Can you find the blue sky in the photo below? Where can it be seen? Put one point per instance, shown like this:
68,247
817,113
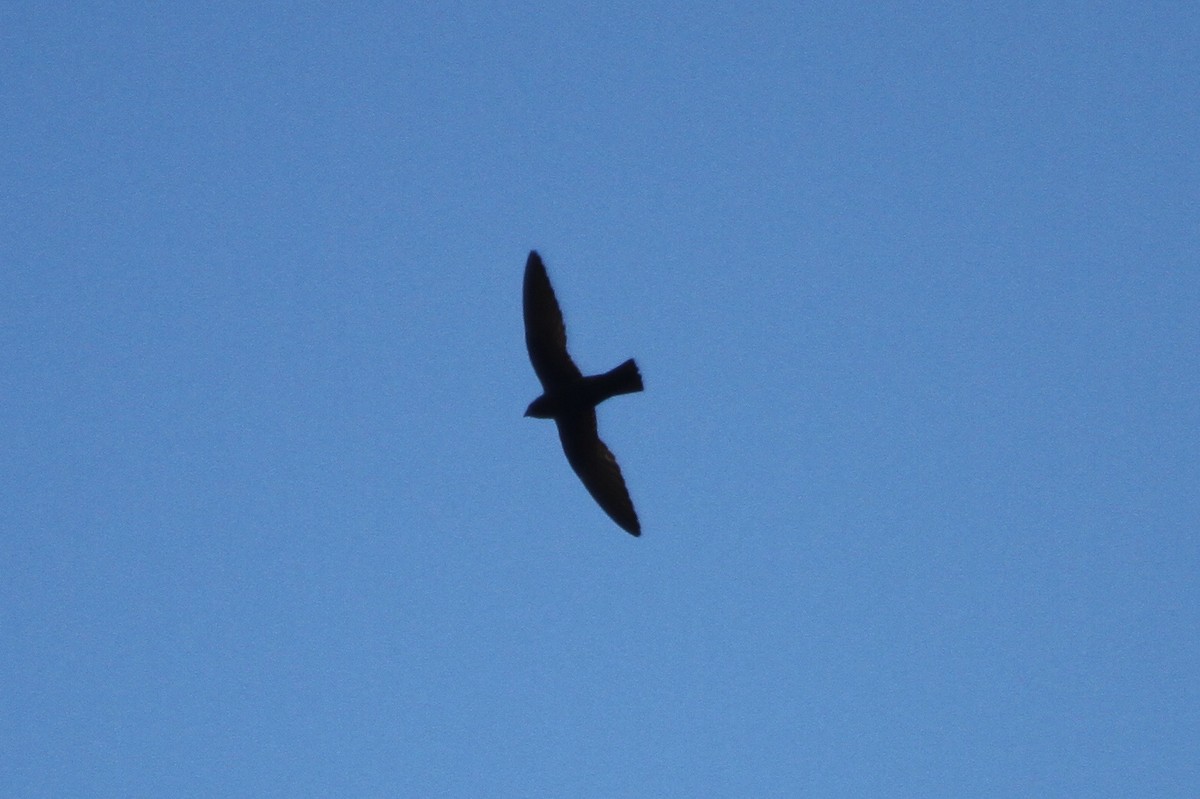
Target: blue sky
914,291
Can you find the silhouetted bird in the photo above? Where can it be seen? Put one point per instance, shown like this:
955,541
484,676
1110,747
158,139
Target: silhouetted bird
570,399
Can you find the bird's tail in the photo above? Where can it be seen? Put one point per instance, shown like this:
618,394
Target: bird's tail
625,379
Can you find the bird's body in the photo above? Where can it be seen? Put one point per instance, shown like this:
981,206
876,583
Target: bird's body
570,398
586,392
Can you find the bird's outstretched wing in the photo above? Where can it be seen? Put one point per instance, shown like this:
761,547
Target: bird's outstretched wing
545,335
597,468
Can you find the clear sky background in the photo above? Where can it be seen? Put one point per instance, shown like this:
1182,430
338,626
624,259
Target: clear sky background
915,290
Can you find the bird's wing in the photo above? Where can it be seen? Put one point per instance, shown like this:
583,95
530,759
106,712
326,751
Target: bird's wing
597,468
545,335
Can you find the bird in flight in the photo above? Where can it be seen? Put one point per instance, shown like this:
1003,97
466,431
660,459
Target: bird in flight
570,398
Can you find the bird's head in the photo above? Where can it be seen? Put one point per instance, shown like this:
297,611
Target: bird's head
539,408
